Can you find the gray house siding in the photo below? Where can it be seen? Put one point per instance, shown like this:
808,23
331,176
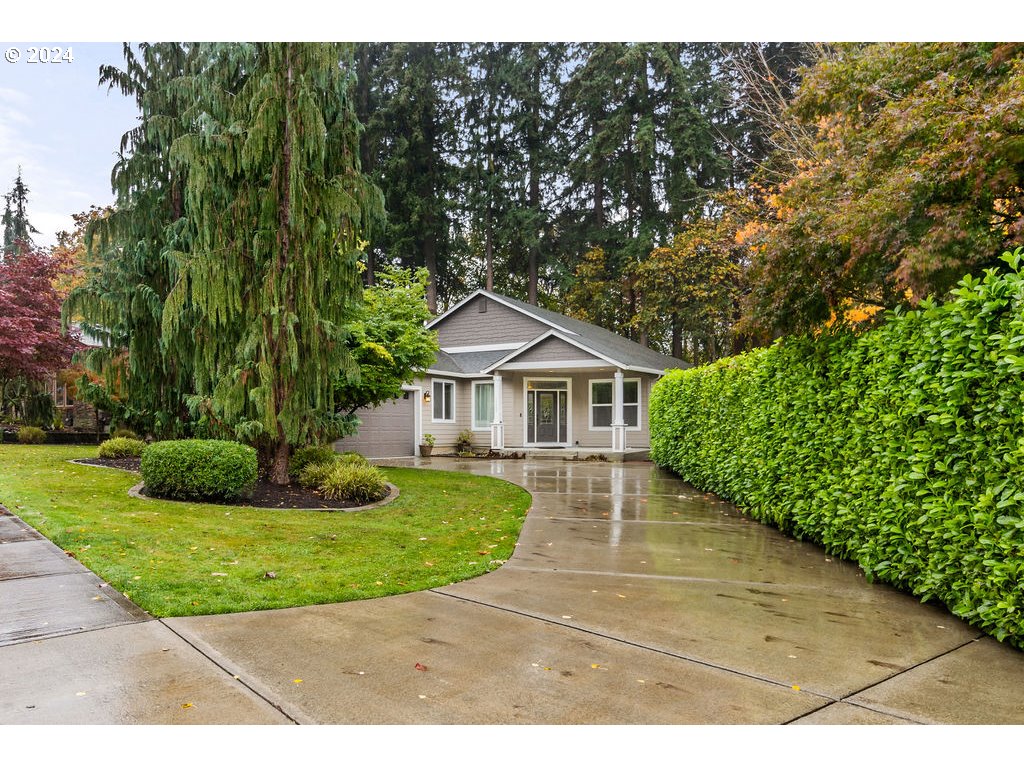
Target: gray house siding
468,326
551,350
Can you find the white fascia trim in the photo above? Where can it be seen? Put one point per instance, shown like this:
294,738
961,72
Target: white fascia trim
503,363
483,347
451,374
500,300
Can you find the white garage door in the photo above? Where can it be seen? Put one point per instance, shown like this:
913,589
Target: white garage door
386,432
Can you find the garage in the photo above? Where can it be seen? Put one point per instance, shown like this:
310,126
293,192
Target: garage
386,431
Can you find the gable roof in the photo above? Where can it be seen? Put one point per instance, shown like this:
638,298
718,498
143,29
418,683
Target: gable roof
617,350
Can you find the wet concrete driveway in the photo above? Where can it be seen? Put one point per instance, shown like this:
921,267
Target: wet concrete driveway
631,598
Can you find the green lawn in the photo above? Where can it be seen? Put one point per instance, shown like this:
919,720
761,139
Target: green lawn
180,559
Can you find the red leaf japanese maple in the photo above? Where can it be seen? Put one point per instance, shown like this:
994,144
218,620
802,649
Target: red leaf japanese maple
31,342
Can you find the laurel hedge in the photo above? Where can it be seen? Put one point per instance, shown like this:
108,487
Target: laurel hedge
900,448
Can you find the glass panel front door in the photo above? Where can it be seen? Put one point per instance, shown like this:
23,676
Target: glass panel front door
547,413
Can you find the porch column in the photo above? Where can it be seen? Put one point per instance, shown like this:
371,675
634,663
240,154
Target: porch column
618,419
498,425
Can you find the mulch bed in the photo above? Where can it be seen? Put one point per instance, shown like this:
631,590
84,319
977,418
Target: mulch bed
264,494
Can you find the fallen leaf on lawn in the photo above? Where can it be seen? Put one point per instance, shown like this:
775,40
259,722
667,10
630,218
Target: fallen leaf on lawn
422,696
796,687
187,705
297,680
420,667
429,565
218,573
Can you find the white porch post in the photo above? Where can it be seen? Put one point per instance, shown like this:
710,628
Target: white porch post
618,419
498,425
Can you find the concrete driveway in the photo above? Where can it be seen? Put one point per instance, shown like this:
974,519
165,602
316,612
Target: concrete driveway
631,598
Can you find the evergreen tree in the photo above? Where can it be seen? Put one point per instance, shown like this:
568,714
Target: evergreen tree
130,268
279,206
414,133
17,229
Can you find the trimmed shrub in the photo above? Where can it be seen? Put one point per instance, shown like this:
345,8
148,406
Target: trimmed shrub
901,448
310,454
312,475
199,469
31,436
352,482
124,432
121,447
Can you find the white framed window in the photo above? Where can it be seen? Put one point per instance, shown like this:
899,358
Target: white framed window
483,405
601,403
442,400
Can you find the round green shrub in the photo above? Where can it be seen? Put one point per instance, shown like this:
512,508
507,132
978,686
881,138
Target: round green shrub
124,432
355,483
199,469
310,454
121,447
31,436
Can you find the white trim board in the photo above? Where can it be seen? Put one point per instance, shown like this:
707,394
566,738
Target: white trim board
483,347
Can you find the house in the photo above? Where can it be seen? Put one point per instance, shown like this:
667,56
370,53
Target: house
519,377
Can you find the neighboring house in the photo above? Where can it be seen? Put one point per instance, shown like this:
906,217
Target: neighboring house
520,377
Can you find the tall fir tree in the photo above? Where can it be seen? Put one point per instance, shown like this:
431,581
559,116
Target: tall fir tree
130,272
414,134
18,230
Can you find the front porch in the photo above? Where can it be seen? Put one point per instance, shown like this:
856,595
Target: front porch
576,453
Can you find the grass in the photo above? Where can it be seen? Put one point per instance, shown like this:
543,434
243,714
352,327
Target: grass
183,559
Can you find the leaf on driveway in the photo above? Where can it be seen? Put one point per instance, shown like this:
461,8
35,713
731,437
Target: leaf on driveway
420,667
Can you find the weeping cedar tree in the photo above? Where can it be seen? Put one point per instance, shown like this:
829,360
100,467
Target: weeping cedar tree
278,202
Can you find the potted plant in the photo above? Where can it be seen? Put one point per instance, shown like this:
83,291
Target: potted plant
427,445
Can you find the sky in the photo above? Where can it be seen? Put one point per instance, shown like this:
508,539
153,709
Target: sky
62,130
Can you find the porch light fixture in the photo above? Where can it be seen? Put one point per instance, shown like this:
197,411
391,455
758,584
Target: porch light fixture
426,397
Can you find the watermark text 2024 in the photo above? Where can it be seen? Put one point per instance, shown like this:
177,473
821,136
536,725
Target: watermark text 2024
39,55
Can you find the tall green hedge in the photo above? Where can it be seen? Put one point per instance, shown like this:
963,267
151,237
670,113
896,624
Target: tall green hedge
900,448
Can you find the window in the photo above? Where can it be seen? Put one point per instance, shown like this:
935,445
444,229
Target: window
442,398
483,404
601,406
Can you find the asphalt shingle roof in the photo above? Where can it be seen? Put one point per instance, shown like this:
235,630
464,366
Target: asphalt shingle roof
609,344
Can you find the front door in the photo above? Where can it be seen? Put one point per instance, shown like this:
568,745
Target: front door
547,412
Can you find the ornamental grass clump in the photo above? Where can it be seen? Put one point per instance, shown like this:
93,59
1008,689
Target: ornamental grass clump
312,475
310,454
31,436
355,483
199,469
121,448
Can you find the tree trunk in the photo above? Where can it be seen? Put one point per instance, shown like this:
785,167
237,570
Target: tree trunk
533,142
276,343
677,337
430,262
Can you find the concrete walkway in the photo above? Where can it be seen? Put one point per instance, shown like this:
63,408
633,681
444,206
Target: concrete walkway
631,598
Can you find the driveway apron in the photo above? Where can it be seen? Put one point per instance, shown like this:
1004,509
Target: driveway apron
631,598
